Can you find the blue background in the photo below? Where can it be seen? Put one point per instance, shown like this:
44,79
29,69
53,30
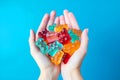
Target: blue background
102,17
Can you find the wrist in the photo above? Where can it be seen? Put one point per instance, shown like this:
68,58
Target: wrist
73,74
48,74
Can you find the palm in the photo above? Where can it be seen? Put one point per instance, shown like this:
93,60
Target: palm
76,59
42,60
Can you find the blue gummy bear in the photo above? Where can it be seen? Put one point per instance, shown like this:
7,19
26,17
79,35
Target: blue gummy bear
51,27
42,45
54,48
73,36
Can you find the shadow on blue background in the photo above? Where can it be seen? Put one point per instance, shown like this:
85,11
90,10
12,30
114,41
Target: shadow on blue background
102,61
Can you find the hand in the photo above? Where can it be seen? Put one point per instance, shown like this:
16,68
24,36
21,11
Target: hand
71,70
48,70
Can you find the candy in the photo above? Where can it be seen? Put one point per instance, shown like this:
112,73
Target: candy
59,28
64,37
66,58
77,32
59,42
57,58
42,34
51,37
70,48
73,36
42,45
52,27
54,48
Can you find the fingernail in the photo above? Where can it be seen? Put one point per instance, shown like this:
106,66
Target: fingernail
30,31
65,10
87,30
53,11
46,15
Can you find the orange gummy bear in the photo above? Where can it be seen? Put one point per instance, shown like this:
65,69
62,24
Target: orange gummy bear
70,48
57,58
59,28
77,32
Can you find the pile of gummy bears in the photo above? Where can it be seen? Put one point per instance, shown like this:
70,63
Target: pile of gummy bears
59,42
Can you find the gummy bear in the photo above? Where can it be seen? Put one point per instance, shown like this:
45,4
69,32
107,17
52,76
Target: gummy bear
64,37
57,58
54,48
59,28
73,36
42,45
42,34
77,32
70,48
52,27
51,37
66,58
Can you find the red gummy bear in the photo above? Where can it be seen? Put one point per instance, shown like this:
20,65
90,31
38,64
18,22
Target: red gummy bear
66,57
64,37
42,34
51,37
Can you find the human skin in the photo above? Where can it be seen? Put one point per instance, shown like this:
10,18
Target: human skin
48,70
71,70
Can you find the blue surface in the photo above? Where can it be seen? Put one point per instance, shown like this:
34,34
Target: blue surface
102,17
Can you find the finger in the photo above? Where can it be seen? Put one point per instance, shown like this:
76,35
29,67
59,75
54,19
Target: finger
57,21
67,20
43,24
32,40
52,16
73,21
84,41
62,19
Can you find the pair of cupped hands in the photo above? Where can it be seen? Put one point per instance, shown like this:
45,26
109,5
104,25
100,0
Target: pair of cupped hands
49,71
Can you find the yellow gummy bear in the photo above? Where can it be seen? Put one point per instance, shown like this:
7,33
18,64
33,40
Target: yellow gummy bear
59,28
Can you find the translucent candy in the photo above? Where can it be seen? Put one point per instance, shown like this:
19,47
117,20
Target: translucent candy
59,28
54,48
51,37
59,42
66,58
42,45
52,27
77,32
42,34
73,36
70,48
57,58
64,37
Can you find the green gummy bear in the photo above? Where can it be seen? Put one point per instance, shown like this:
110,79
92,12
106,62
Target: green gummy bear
42,45
73,36
54,48
51,27
59,45
53,52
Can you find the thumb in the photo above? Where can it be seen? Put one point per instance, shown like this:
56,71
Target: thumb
32,40
35,52
84,41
